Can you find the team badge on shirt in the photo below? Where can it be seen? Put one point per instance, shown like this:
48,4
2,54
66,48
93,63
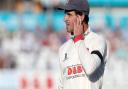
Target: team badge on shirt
65,57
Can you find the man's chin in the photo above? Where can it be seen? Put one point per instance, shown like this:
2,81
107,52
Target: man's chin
69,30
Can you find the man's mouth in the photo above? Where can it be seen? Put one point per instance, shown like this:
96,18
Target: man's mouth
67,24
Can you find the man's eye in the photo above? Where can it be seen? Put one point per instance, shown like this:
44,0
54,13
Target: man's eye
68,14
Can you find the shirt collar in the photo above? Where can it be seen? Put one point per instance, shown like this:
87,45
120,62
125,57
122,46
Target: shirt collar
87,31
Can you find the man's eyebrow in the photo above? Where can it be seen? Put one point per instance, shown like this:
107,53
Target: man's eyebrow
68,13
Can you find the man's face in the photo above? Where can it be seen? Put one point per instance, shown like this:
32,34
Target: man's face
69,19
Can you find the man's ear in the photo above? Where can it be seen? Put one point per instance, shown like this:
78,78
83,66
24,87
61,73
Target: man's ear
82,17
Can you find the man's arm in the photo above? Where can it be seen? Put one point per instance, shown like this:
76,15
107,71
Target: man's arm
60,84
90,60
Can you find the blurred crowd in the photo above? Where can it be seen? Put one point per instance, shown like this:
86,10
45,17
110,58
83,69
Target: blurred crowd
23,48
27,49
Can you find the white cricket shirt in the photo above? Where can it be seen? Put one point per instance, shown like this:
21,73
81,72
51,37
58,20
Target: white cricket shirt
82,61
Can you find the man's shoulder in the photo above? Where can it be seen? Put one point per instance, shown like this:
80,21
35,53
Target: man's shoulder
97,36
65,45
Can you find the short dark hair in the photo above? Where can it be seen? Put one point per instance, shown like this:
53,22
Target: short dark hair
86,17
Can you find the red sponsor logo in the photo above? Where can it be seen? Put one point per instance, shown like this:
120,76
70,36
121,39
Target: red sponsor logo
75,69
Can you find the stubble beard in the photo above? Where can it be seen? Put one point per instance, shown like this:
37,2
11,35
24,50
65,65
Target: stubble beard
69,29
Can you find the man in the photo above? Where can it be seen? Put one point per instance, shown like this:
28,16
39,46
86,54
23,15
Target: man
83,57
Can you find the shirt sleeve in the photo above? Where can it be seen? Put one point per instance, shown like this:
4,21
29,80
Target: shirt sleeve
91,60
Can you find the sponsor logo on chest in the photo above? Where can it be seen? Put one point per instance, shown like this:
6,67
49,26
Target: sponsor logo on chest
74,71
